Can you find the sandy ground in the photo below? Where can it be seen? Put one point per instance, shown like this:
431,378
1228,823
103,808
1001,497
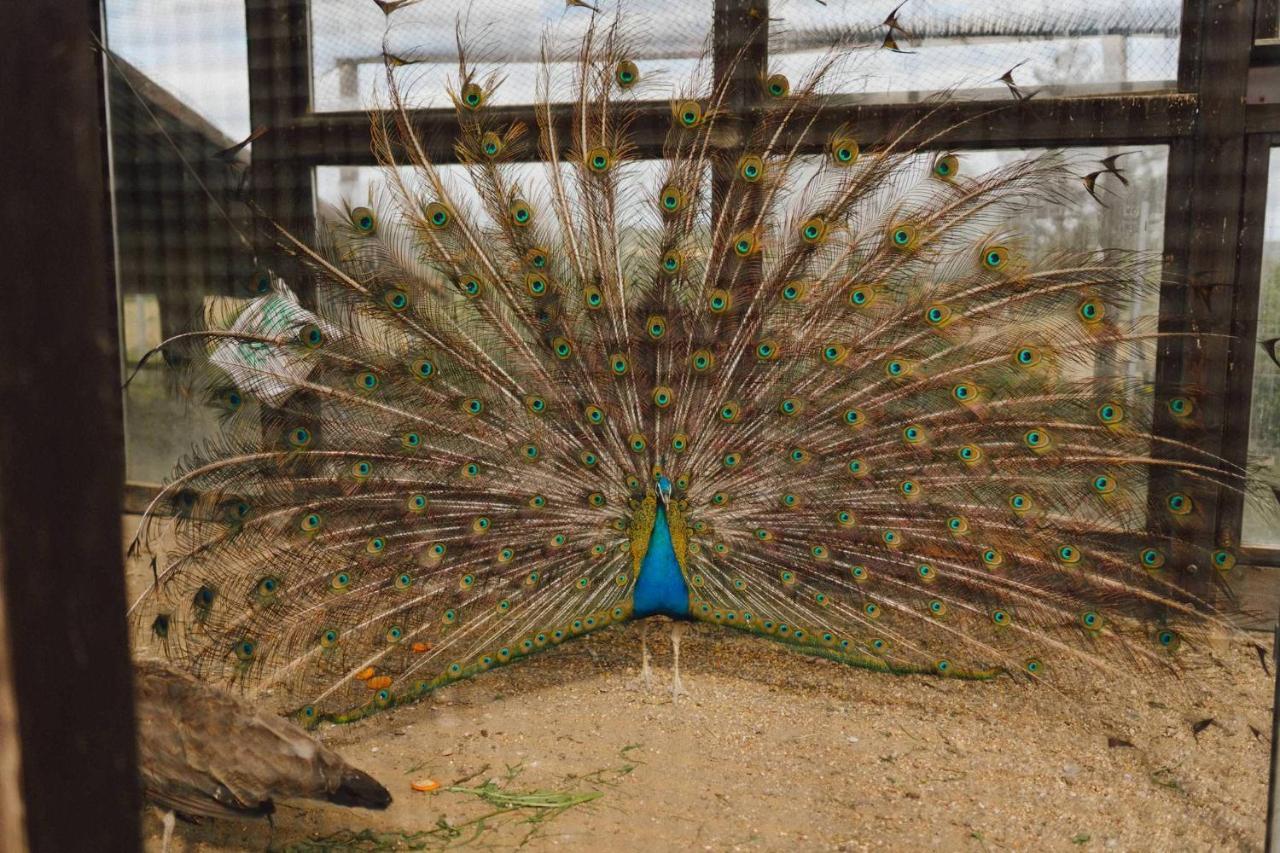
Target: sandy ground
772,750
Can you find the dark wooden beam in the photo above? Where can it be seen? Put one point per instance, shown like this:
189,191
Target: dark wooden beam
1202,226
1244,323
1262,118
342,139
282,177
1266,22
61,451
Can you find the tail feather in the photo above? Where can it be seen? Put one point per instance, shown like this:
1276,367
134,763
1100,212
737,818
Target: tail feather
898,434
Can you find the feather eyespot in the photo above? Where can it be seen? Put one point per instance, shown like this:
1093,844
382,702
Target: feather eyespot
844,150
995,258
364,220
861,296
599,160
719,300
745,244
438,215
1090,311
813,230
672,199
938,316
627,74
1181,407
904,237
491,145
688,113
750,168
792,291
472,96
535,283
672,261
521,213
396,299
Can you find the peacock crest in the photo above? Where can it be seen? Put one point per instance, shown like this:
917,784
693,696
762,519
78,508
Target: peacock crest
829,401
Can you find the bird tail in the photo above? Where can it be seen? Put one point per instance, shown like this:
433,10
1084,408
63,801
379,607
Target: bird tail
358,788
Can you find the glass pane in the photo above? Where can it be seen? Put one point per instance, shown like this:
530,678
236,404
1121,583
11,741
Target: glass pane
178,93
1060,47
502,36
1264,421
1132,219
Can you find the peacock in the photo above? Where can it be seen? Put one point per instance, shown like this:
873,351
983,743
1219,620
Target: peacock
833,402
204,753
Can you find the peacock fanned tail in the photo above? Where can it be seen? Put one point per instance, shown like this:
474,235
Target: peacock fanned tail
830,403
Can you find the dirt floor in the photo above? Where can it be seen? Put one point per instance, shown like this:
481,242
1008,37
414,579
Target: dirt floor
772,750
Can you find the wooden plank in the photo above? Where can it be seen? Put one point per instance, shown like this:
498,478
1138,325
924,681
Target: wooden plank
1256,591
61,460
1206,177
1243,347
1266,22
342,139
12,834
282,181
740,63
281,175
1262,118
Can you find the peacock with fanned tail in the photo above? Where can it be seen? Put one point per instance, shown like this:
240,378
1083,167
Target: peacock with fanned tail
824,401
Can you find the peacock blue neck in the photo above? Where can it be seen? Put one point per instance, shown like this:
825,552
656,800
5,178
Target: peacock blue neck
661,589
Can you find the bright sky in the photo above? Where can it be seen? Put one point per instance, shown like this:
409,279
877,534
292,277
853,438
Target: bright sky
196,48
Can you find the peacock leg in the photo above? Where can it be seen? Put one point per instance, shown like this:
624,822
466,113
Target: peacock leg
646,671
678,630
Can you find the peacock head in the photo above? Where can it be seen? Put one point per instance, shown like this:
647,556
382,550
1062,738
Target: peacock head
664,487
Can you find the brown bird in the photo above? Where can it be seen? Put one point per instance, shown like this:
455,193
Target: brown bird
229,155
389,6
1018,94
892,22
1270,346
1109,165
891,43
205,753
568,4
1091,185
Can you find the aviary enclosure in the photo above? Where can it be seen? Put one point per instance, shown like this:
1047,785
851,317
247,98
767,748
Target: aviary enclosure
733,424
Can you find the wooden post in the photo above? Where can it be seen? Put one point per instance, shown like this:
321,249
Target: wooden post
61,448
1202,226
